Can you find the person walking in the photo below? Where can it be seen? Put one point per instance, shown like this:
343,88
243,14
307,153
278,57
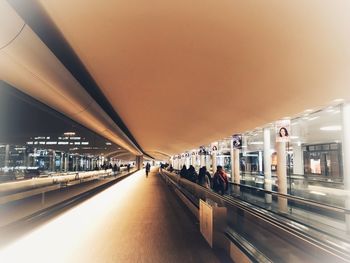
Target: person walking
192,174
220,181
204,177
183,172
148,168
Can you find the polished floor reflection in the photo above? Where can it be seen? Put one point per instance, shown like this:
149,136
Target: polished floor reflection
136,220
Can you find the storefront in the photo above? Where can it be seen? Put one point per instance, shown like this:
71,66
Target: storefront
323,160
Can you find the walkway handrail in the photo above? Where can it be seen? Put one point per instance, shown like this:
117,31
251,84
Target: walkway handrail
327,244
298,199
23,185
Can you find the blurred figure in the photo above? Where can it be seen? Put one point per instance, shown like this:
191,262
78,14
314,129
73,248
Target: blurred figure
148,168
204,177
183,172
171,169
220,181
128,167
192,174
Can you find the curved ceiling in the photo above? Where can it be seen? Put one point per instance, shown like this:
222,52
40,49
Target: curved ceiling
197,71
29,65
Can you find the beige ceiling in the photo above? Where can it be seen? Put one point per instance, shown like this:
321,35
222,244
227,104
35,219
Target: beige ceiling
184,73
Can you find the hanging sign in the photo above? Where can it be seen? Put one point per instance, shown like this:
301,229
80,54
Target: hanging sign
214,146
237,141
283,131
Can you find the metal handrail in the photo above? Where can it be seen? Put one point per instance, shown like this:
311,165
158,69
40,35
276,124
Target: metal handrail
298,199
281,223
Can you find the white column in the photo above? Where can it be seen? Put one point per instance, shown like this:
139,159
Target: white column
282,176
213,161
298,161
267,165
25,158
66,162
202,160
232,155
188,162
7,155
53,160
236,171
207,162
260,162
346,156
61,162
193,162
139,162
76,163
175,164
50,163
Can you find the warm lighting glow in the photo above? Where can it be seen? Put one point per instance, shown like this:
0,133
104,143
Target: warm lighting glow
67,237
257,143
331,128
313,118
69,133
317,193
338,100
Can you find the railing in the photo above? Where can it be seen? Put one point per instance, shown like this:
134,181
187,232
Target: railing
278,237
18,186
21,205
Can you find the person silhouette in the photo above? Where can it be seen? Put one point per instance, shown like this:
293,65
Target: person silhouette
148,168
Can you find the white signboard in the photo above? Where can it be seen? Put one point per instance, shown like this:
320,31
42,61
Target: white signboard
206,221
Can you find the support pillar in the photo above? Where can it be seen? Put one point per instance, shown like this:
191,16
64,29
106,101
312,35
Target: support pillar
213,161
76,163
26,158
207,162
7,155
66,162
188,162
346,157
53,161
61,162
267,165
235,169
236,173
260,162
193,160
202,160
282,176
139,162
50,163
232,155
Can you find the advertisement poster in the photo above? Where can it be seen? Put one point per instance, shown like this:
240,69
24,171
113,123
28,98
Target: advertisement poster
214,146
283,131
237,141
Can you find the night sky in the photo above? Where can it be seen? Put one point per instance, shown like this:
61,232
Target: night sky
22,117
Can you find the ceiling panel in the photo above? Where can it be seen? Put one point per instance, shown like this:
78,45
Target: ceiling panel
184,73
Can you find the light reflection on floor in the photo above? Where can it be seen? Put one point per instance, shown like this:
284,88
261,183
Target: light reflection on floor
62,239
